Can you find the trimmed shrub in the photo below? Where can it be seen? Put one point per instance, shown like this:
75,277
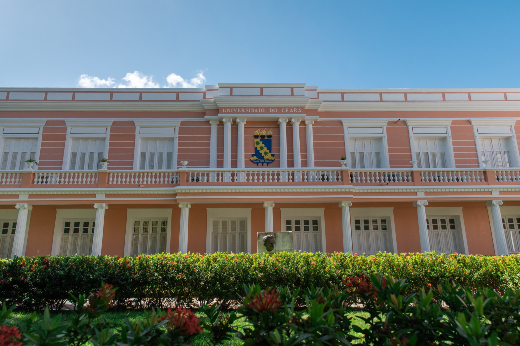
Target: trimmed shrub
187,280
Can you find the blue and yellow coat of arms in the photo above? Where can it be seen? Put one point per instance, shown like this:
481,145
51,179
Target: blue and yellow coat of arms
262,147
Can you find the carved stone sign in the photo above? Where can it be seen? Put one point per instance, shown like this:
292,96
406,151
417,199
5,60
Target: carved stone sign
262,110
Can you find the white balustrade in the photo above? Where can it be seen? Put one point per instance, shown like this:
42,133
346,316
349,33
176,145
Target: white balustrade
380,176
258,175
65,178
142,178
509,175
10,178
453,176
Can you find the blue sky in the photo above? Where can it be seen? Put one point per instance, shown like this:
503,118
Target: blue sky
332,44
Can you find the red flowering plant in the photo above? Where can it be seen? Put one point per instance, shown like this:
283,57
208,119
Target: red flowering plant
182,326
9,336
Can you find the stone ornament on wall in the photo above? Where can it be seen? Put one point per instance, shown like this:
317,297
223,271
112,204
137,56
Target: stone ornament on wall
262,140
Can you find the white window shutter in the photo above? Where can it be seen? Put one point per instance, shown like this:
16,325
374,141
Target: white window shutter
430,152
496,150
156,154
16,151
365,153
86,153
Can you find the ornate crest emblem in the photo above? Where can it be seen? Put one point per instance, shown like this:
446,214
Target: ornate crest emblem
262,147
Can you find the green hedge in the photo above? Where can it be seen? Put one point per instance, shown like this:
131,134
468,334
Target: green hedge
143,281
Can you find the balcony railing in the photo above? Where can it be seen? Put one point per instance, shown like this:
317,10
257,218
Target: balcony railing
260,176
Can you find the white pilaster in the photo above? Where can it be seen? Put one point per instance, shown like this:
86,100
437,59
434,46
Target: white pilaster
296,143
309,138
240,148
175,148
412,146
213,144
345,223
500,236
97,242
183,232
423,229
268,216
21,229
227,142
283,142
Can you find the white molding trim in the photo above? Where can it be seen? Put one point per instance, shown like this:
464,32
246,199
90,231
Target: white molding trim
375,212
61,216
231,213
261,101
428,122
451,211
385,106
157,122
494,121
363,122
88,122
302,212
109,106
26,122
133,214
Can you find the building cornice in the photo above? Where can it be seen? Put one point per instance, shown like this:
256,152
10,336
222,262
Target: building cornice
494,122
428,122
88,122
24,123
76,106
364,122
261,101
261,85
420,106
157,122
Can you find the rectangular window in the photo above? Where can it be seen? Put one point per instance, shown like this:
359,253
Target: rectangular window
444,234
372,235
77,236
365,153
16,151
496,150
306,233
149,236
7,237
156,154
229,235
86,154
430,152
511,226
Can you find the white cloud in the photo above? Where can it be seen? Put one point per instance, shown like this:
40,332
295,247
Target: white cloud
174,80
138,80
85,81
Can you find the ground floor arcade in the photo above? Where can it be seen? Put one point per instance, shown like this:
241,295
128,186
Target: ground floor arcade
478,227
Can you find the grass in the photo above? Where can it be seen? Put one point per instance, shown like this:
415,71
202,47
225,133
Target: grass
117,319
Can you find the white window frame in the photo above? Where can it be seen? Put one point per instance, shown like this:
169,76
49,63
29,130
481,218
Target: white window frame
229,213
432,128
137,214
366,129
156,129
61,216
12,214
288,213
496,128
88,129
450,212
22,129
507,210
376,213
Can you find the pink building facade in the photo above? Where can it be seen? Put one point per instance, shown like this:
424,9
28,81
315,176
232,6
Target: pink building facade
205,170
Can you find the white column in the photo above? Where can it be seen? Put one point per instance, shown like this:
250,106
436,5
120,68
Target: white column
21,229
240,147
296,143
213,144
283,142
97,242
183,232
423,229
309,138
175,148
268,216
345,223
500,236
227,142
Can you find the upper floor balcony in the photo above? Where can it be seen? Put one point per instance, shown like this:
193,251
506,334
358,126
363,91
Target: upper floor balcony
257,177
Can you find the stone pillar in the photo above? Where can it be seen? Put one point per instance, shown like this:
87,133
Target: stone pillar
183,231
213,144
296,143
21,229
268,216
345,223
423,229
240,147
227,142
309,137
283,142
500,236
97,242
